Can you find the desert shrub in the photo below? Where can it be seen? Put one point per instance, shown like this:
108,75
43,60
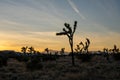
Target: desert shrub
84,57
49,57
22,58
107,56
49,65
98,59
3,61
34,64
116,56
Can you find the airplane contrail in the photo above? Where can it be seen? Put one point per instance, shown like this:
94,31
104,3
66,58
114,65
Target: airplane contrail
76,9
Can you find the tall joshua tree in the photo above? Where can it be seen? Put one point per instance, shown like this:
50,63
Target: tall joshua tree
70,33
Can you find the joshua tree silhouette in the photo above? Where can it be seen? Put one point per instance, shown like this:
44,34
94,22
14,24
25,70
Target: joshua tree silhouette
105,50
62,51
77,49
70,33
24,49
81,46
87,43
31,49
115,49
47,50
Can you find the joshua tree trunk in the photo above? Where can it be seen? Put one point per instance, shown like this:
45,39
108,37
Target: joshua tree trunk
72,52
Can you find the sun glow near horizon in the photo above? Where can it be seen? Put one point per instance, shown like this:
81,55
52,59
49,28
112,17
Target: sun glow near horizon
42,40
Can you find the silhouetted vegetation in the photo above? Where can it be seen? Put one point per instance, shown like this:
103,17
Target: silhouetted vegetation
62,52
116,53
115,49
87,43
82,51
24,49
106,53
37,65
70,33
49,57
47,50
22,58
83,48
34,63
31,50
116,56
3,61
79,48
84,57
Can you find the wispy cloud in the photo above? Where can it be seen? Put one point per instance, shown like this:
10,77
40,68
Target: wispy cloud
34,16
76,9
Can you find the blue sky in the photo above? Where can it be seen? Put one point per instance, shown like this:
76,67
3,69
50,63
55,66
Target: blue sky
35,22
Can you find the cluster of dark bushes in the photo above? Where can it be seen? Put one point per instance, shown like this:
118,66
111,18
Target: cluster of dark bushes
4,56
22,58
87,56
84,57
116,56
32,61
35,62
40,57
49,57
3,61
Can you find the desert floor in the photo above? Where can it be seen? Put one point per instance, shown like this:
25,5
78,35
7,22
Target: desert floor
61,69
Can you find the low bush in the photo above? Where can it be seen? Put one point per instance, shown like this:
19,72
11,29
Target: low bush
3,61
116,56
34,64
84,57
49,57
22,58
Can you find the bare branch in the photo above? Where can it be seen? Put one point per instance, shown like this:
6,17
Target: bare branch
75,25
81,43
61,33
88,40
66,30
